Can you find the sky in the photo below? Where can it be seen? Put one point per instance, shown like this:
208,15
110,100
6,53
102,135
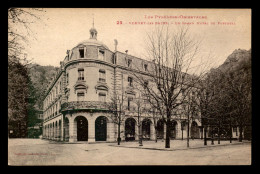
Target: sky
60,30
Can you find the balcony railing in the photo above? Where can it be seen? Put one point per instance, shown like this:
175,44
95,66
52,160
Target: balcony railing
84,105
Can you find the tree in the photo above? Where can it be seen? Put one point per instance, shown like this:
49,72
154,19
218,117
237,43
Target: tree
226,99
19,84
171,55
116,104
235,96
19,21
154,114
205,102
140,108
18,96
190,110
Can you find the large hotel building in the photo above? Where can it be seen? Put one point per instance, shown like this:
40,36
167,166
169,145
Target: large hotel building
76,102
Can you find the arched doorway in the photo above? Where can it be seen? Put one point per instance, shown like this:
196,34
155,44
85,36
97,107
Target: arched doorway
160,129
101,129
194,130
130,129
82,128
173,126
146,123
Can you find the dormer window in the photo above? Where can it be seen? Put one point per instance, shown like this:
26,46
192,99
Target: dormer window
129,62
101,54
145,67
130,81
81,52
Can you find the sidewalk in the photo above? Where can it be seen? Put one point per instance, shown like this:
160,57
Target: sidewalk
25,141
176,144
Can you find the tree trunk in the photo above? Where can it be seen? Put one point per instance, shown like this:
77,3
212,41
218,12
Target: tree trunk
167,142
205,135
201,134
140,135
188,133
155,134
218,135
118,135
212,136
230,130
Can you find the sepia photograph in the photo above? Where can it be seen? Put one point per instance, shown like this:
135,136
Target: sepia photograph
129,86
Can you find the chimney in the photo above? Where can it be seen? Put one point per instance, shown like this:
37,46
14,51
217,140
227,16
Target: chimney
116,43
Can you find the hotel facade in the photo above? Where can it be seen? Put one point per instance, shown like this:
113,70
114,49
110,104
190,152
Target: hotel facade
76,102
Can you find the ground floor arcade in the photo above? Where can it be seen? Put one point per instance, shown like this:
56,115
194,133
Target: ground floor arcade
94,127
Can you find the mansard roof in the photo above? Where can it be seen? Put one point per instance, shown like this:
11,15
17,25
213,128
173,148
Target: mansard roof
92,42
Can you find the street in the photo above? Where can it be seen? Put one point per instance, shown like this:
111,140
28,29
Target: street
44,152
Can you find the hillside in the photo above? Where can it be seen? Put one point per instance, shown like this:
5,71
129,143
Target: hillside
234,61
40,77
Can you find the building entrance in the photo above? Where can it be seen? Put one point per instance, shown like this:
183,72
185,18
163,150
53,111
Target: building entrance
101,129
82,129
130,129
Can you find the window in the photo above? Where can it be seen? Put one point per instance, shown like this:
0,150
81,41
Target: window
67,78
130,81
145,67
101,54
102,97
129,102
80,96
60,107
81,74
81,52
56,108
102,75
129,62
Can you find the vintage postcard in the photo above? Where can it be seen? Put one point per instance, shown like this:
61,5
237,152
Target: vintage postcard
121,86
